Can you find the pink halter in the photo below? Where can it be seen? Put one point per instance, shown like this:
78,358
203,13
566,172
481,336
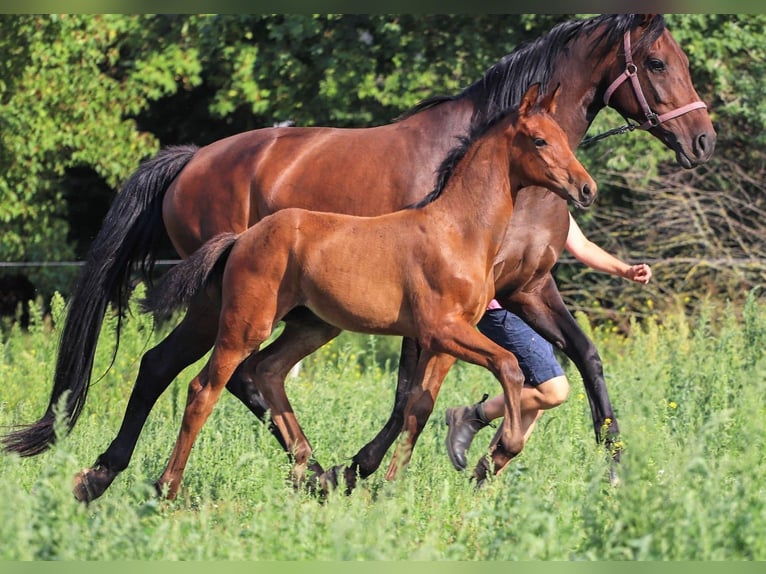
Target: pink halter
652,119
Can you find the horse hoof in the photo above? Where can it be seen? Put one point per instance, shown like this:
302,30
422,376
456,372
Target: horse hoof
90,483
482,472
165,490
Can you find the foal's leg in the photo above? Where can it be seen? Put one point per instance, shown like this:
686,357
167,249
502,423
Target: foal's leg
461,341
430,373
204,391
246,320
188,342
369,457
284,419
270,367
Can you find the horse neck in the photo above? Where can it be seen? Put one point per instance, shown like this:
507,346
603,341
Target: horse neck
441,124
583,83
478,200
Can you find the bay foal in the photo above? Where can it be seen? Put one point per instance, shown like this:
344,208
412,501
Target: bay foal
425,273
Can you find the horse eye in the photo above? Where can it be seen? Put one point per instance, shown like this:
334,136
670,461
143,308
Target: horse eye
656,65
540,142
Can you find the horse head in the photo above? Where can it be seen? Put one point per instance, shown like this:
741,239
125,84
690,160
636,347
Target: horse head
653,86
543,155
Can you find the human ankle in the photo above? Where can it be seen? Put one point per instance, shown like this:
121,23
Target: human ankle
480,414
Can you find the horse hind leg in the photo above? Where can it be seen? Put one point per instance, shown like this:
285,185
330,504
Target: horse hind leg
283,417
187,343
303,334
204,391
242,328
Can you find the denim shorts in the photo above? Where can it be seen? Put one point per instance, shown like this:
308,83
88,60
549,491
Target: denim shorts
534,353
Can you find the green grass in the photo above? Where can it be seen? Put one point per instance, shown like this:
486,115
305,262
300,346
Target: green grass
689,395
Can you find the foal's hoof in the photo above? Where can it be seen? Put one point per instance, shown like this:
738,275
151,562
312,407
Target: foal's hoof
300,472
90,483
482,472
307,477
166,490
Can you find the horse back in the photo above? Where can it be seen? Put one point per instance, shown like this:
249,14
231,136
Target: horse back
322,261
234,182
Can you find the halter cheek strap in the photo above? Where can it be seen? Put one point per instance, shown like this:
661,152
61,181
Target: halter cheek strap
630,73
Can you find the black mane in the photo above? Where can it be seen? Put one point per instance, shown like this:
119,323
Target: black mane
505,83
499,92
457,153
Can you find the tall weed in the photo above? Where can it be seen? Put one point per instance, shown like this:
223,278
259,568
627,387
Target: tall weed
688,393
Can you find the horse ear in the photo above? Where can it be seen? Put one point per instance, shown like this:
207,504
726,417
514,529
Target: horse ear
550,101
529,99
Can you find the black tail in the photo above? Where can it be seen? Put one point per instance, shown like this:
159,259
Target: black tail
186,279
128,241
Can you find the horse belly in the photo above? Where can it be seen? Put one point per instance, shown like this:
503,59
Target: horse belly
351,277
356,302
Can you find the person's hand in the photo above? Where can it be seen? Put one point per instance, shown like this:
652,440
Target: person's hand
640,273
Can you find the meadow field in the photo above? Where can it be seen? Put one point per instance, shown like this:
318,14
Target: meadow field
688,391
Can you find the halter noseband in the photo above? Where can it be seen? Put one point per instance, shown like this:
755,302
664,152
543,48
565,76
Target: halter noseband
630,73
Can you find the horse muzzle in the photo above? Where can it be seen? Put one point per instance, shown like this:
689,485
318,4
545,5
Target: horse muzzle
584,196
699,152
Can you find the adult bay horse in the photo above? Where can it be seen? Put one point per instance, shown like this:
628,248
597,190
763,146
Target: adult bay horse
194,194
426,273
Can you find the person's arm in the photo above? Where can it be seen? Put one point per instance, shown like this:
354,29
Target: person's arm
590,254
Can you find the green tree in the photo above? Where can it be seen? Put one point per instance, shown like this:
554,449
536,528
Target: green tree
83,98
69,86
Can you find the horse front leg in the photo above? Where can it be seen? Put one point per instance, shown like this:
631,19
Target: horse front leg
462,341
187,343
370,456
545,312
421,398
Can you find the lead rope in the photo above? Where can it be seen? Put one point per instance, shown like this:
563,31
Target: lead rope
613,132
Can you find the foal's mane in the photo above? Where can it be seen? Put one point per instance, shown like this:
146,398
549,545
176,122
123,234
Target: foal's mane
505,83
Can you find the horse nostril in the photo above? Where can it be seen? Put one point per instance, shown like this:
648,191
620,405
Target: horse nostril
705,145
586,192
701,142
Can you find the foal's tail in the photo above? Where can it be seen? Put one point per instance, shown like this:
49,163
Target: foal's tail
185,280
129,240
